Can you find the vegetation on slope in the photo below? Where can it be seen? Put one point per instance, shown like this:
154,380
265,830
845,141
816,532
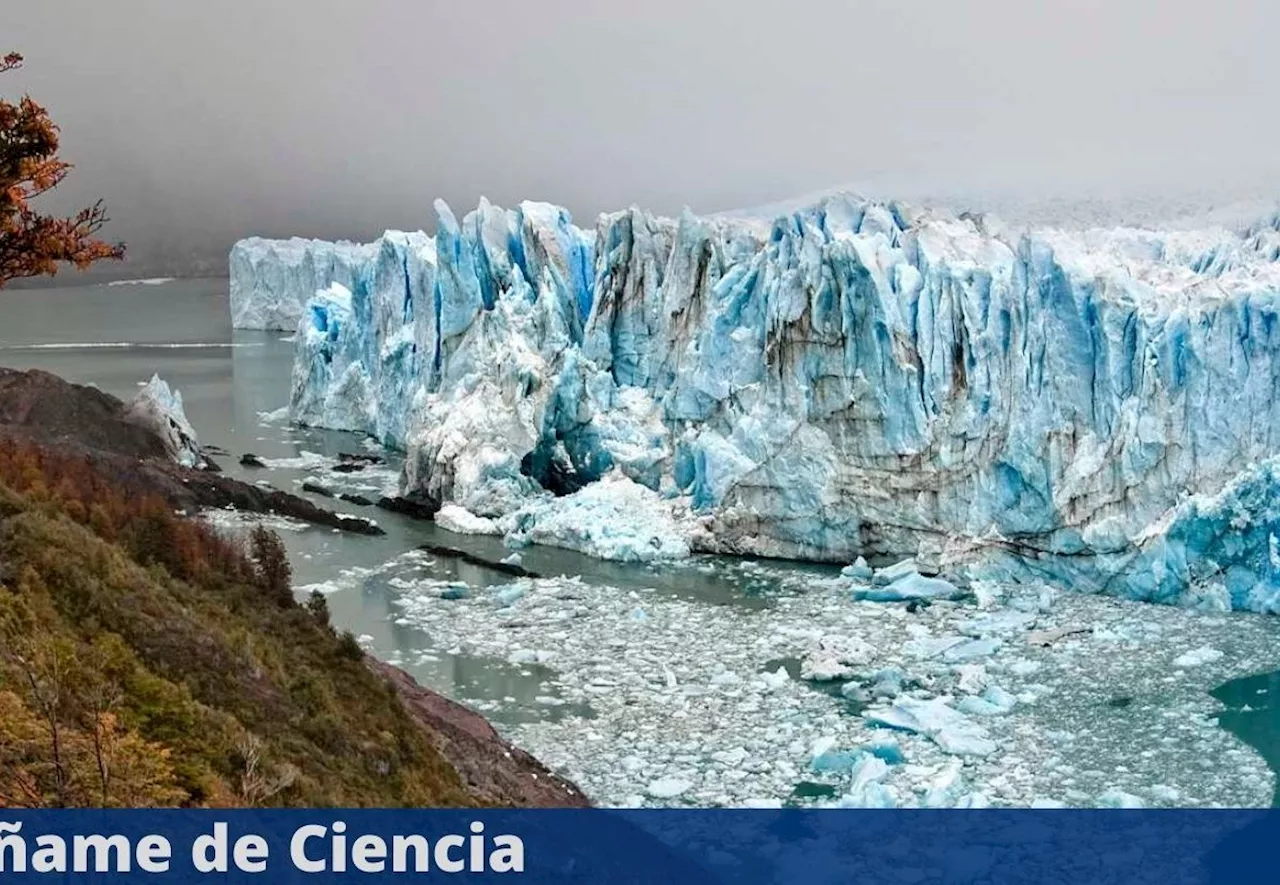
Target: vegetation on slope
146,660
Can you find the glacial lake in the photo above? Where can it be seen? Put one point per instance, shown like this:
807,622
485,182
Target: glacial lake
116,337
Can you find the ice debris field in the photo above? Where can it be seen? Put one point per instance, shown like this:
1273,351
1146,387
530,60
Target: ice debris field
1011,697
1090,407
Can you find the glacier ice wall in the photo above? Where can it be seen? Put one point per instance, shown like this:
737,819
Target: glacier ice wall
272,280
852,378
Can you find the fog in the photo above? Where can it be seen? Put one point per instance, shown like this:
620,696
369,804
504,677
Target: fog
202,122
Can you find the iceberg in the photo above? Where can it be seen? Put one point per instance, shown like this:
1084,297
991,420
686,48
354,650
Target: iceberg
158,408
853,378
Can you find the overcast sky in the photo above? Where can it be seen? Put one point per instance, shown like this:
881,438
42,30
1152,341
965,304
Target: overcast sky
210,119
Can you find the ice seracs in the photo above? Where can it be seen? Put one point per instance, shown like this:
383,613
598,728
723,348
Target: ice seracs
855,378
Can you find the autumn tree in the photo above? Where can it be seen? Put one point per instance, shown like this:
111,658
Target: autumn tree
271,563
32,244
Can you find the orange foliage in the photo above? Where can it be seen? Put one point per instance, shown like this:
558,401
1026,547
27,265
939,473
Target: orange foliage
145,526
32,244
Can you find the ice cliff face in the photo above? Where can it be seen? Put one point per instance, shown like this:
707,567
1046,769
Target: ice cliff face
854,377
272,280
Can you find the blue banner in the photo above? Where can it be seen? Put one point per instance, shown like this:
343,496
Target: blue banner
635,847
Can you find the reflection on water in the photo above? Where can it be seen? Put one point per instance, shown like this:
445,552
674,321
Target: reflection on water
226,389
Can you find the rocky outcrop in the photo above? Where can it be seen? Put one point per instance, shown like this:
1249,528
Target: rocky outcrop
89,423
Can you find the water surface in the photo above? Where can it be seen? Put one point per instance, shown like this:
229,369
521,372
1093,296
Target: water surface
116,337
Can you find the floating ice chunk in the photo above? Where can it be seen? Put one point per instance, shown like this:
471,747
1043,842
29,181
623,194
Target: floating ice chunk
1004,701
869,768
823,745
999,624
971,650
1046,638
973,678
1165,793
887,683
889,751
932,646
530,656
859,571
461,521
852,691
276,416
668,787
975,706
909,587
509,595
1117,798
951,730
760,803
1198,657
836,762
995,701
865,788
1046,804
889,574
834,658
732,758
615,518
513,559
874,795
946,788
775,680
159,409
824,666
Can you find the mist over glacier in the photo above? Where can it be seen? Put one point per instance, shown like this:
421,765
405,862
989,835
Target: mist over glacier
852,377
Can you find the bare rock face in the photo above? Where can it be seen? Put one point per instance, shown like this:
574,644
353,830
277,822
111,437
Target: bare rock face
41,405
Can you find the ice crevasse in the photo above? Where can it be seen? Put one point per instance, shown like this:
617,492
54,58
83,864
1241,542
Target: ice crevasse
855,377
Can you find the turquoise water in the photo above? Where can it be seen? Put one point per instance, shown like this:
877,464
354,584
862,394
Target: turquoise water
1253,715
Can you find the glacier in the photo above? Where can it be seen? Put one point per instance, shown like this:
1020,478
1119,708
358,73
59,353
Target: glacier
272,280
854,377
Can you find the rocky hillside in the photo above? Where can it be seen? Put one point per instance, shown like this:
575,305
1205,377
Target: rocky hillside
146,660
